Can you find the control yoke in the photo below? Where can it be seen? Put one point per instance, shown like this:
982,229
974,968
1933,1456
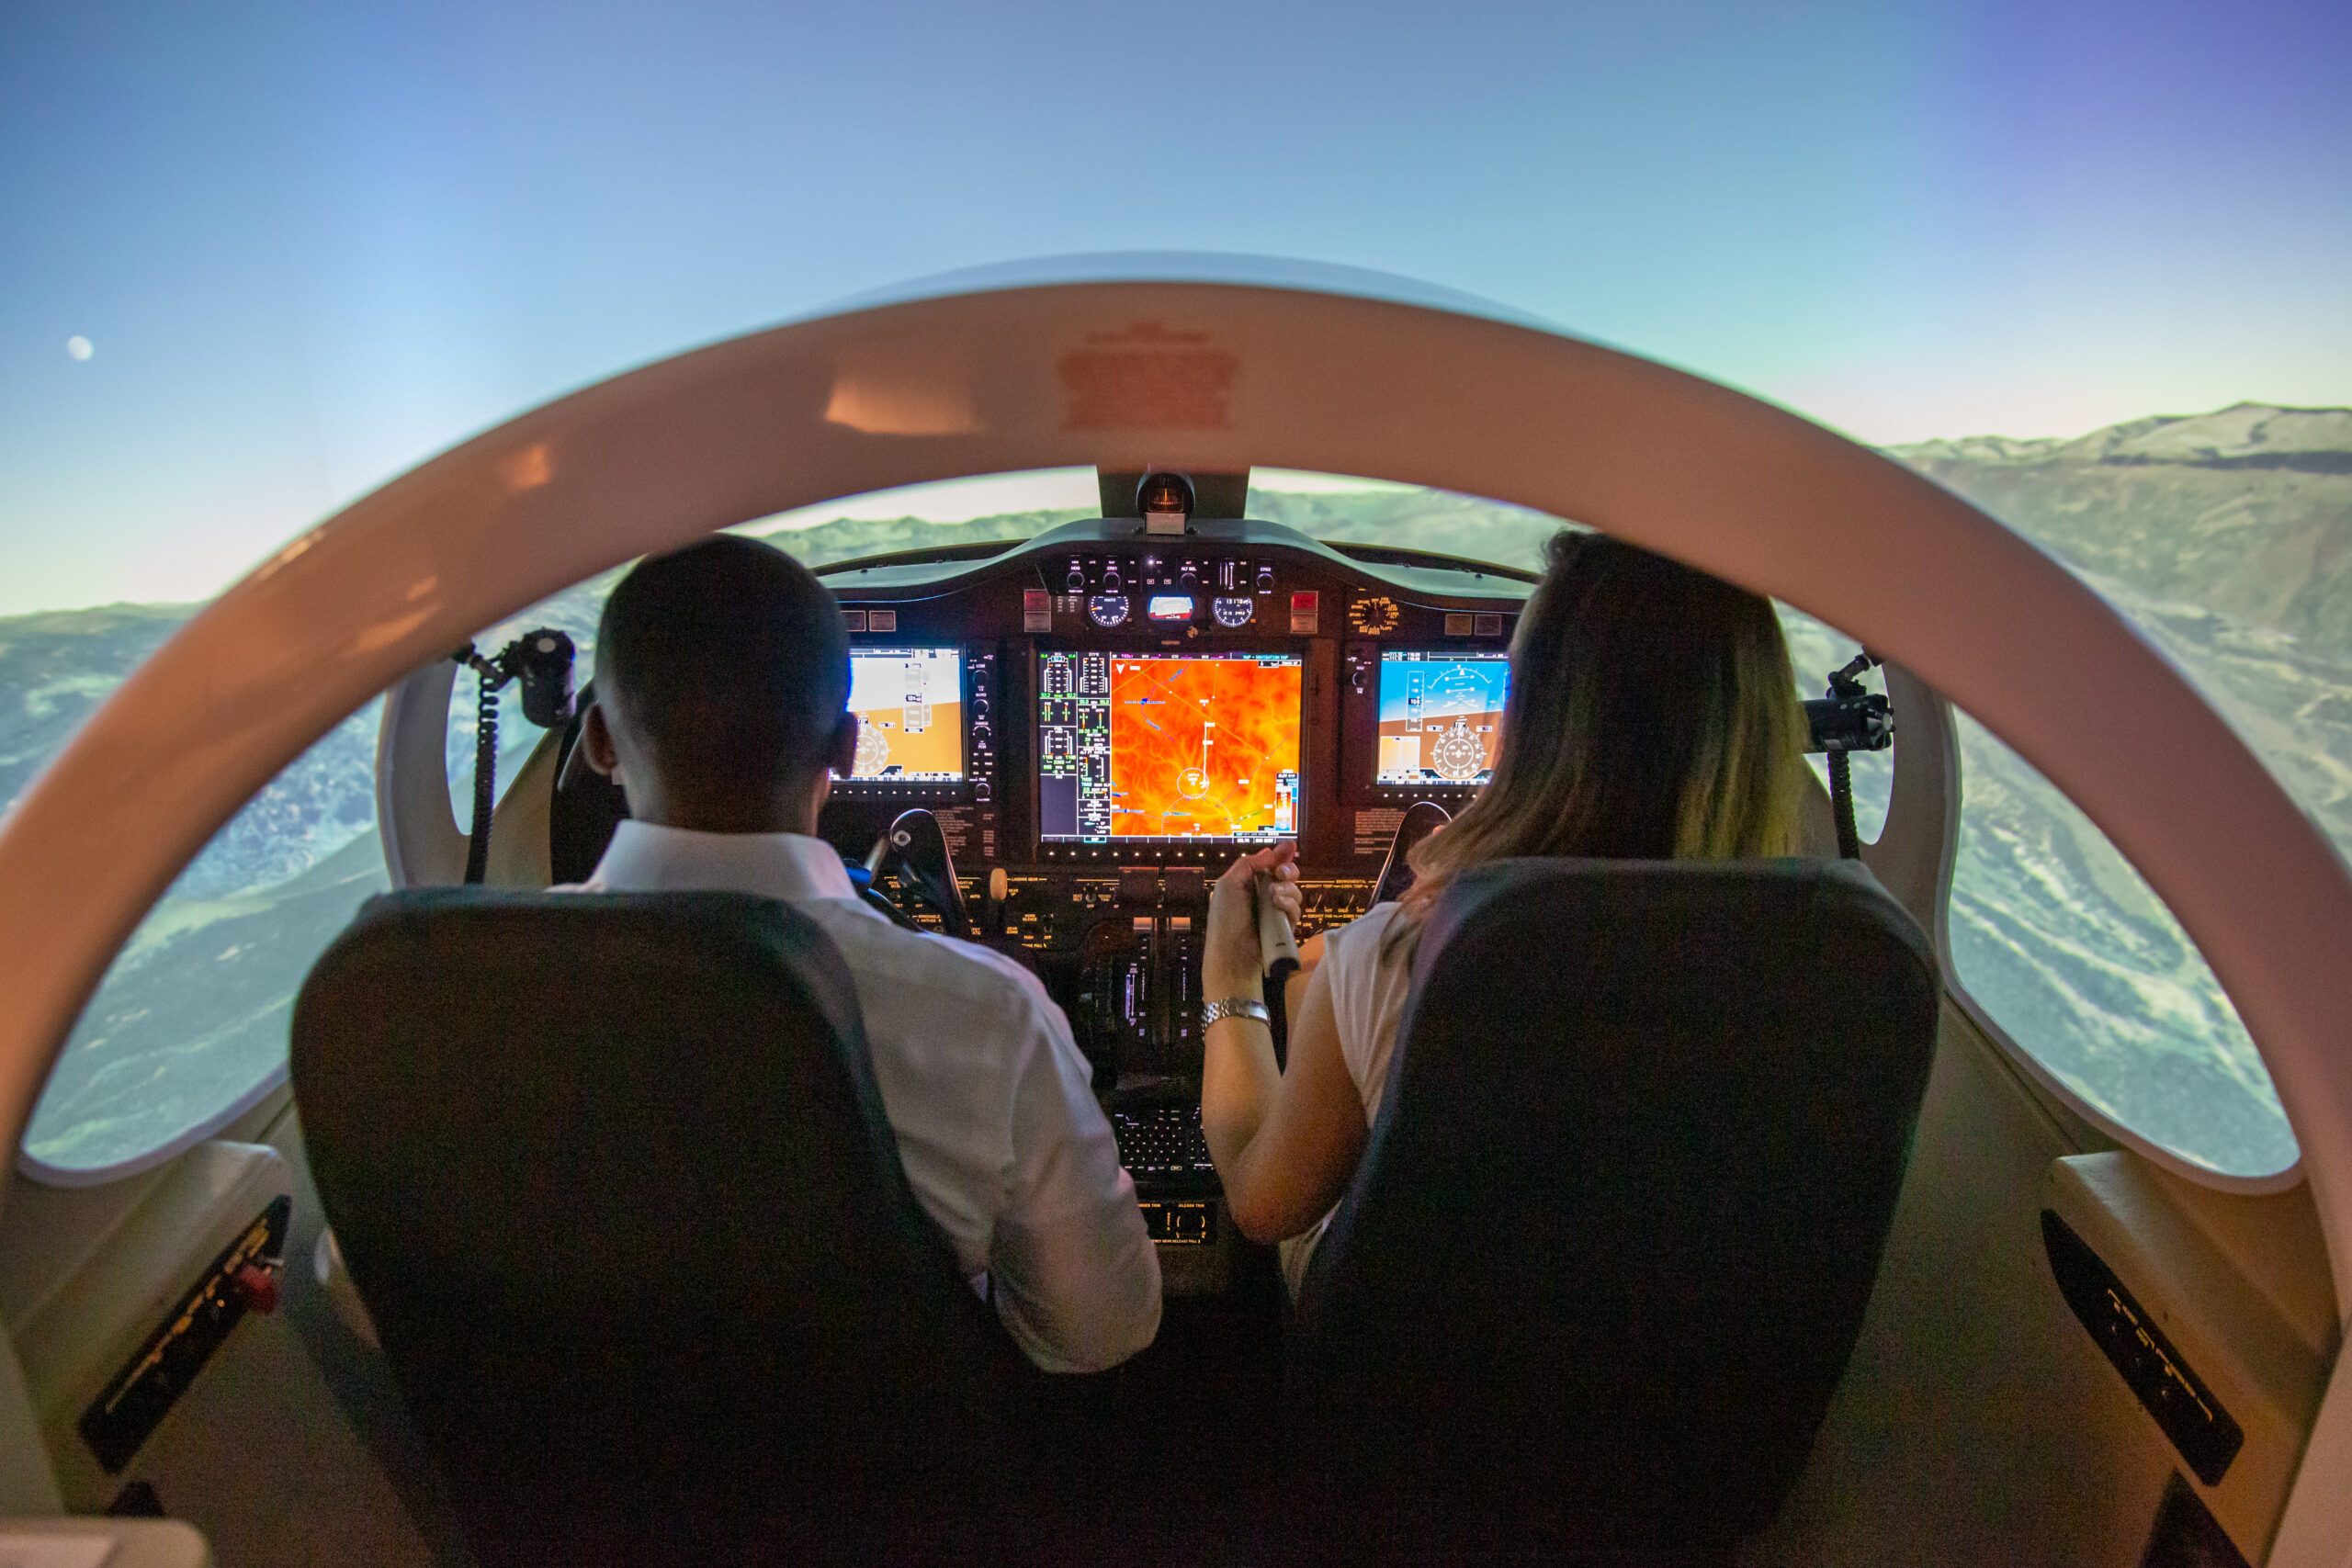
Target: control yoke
1278,951
1277,944
915,846
1421,819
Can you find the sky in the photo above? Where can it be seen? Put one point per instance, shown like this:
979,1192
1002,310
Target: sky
257,256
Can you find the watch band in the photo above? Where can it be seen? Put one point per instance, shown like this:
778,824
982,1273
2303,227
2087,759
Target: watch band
1236,1007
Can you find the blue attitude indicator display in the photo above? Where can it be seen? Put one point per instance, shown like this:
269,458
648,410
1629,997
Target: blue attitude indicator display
1441,716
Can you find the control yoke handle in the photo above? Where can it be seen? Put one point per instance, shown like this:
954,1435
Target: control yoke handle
916,846
1276,942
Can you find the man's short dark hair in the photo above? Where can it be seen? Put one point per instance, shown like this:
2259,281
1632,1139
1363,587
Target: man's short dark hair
729,661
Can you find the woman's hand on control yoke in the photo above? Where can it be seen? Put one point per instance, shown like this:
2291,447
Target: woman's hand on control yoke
1231,961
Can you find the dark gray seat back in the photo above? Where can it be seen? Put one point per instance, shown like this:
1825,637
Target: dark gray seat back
613,1176
1624,1200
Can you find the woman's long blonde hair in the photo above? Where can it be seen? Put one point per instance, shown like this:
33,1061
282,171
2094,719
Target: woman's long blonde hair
1652,715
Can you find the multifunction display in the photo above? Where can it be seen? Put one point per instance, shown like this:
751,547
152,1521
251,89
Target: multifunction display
1167,747
1441,716
910,708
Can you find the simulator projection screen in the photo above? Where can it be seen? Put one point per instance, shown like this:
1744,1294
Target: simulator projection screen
1168,746
1441,716
910,708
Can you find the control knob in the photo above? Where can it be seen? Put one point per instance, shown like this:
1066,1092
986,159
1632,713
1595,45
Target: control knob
255,1285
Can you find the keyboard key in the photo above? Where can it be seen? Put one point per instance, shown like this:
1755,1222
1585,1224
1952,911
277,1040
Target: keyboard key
1161,1139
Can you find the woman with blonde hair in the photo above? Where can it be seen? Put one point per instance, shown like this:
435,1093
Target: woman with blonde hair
1652,715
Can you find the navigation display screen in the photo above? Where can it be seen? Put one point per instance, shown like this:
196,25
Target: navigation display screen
910,708
1168,746
1441,716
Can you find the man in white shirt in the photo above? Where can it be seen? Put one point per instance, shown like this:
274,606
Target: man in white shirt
722,689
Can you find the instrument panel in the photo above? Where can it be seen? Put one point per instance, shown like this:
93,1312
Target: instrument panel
1101,718
1100,698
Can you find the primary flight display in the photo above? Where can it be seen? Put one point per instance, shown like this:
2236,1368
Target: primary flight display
1169,746
1441,716
910,708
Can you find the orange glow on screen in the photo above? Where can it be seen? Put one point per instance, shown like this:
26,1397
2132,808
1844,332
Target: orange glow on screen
1197,745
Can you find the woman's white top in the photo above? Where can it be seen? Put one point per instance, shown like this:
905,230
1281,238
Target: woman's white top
1368,985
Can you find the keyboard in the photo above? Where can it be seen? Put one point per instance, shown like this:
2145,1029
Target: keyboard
1162,1140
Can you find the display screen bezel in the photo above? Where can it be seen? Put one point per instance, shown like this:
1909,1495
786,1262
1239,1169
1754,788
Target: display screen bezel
880,783
1397,658
1085,845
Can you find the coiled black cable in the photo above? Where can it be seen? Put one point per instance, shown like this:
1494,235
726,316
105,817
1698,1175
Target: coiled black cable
1841,804
490,679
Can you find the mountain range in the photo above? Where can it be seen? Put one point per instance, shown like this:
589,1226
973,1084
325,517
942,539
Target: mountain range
2242,512
2227,536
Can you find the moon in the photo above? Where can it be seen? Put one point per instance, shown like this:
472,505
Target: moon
79,347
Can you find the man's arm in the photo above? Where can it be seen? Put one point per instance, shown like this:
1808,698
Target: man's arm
1077,1280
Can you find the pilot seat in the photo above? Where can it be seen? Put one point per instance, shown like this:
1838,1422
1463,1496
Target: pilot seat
612,1175
1608,1248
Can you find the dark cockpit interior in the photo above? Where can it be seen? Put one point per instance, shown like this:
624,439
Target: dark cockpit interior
1663,1240
1063,741
1909,1190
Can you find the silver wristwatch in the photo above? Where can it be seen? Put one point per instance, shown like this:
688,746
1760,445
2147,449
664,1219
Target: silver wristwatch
1236,1007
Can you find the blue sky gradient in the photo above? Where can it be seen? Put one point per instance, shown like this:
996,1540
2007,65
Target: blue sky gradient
312,244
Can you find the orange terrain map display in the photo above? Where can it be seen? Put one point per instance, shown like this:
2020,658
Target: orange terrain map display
1205,747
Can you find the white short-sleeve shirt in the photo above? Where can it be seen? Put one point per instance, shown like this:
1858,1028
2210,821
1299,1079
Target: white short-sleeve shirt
1368,985
986,1093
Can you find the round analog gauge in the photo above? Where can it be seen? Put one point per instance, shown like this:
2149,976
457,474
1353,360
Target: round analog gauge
1107,609
1232,609
1372,617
